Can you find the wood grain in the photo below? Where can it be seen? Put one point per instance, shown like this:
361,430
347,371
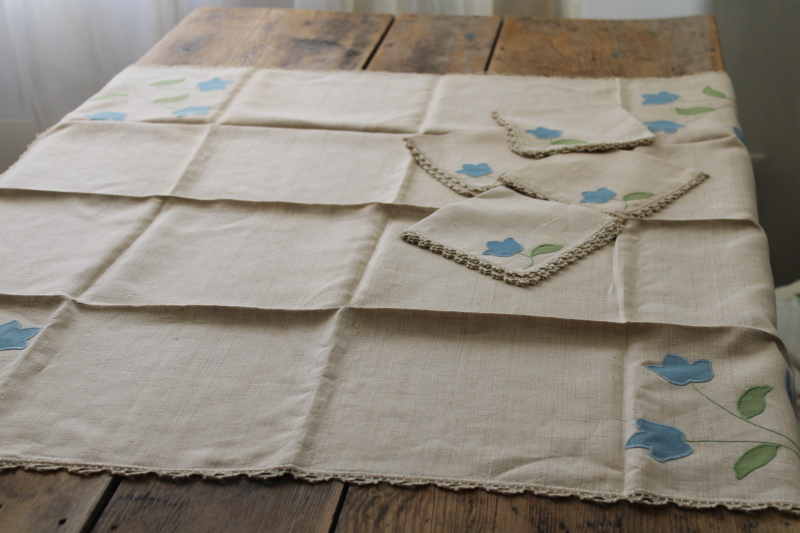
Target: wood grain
383,508
153,505
55,501
414,43
437,44
270,38
598,48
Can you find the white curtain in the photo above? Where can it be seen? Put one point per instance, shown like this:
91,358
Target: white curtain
56,53
62,51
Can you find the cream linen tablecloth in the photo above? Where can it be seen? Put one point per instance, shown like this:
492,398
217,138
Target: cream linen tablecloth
214,258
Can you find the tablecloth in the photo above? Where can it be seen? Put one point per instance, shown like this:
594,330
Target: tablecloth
214,259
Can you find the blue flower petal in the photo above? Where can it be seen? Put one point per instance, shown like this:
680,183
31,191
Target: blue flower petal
664,442
108,115
13,335
667,126
506,248
194,110
475,171
659,98
215,84
738,133
544,133
679,371
600,196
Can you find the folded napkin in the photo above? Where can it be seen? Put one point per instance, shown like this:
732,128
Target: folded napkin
621,182
513,238
588,128
469,162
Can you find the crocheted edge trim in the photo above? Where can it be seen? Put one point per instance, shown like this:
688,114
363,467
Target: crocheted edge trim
358,478
518,148
521,278
643,211
444,177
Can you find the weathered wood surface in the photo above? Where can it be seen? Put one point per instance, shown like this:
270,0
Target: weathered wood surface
55,501
388,509
271,38
413,43
437,44
153,505
599,48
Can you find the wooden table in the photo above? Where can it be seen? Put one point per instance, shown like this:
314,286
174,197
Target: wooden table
409,43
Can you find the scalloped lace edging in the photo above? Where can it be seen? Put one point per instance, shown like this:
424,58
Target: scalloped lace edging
641,212
605,234
518,148
446,179
359,478
648,209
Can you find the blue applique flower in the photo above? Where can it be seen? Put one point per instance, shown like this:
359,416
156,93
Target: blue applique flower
659,98
544,133
194,110
600,196
475,171
13,335
506,248
679,371
108,115
667,126
664,442
738,133
215,84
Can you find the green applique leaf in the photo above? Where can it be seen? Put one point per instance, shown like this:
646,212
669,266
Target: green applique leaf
164,83
711,92
545,249
753,401
172,99
754,458
568,141
636,196
693,110
109,96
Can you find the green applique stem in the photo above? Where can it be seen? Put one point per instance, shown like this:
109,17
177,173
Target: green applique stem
566,142
539,250
632,196
495,179
749,421
621,201
748,442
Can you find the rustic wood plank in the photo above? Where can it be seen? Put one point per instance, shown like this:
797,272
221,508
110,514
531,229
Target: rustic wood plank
152,505
437,44
53,501
598,48
387,509
270,38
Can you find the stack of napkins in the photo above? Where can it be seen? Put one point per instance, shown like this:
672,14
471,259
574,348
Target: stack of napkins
515,236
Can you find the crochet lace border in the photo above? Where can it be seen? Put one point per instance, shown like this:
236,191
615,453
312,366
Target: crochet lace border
638,495
522,278
445,178
518,148
641,212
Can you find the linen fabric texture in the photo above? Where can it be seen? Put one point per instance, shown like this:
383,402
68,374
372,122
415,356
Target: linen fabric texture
555,234
623,183
226,294
469,162
588,128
